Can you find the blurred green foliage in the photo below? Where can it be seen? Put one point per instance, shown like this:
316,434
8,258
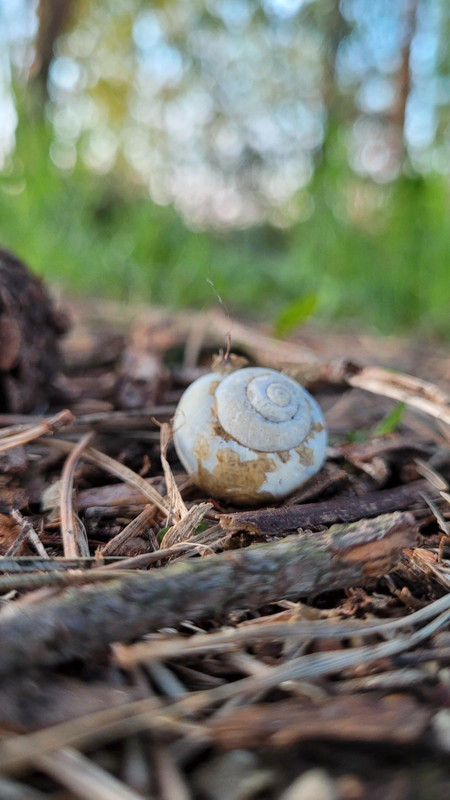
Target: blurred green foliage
383,265
287,158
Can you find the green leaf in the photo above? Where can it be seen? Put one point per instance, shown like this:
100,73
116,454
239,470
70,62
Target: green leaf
160,534
391,421
200,528
295,314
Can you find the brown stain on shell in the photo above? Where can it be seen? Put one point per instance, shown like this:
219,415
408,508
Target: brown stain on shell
233,479
305,455
236,480
201,449
316,428
217,430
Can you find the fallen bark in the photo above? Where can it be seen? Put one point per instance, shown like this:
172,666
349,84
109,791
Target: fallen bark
272,521
81,622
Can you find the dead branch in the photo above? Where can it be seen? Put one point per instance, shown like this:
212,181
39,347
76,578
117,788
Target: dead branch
272,521
78,624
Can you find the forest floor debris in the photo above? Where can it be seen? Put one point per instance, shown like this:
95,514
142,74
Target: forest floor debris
158,644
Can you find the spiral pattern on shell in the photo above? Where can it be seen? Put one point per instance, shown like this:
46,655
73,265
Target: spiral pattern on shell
263,409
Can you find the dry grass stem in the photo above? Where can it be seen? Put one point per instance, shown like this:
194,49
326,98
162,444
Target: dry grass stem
27,564
176,502
419,394
115,468
257,633
84,778
73,534
69,572
185,528
12,790
162,554
26,532
19,751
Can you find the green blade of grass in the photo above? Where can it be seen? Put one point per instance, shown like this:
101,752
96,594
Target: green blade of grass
391,421
295,314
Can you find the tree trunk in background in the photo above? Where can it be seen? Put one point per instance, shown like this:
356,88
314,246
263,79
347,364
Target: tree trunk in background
335,28
398,113
54,17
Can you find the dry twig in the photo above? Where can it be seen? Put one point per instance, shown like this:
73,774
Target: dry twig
78,624
29,433
275,521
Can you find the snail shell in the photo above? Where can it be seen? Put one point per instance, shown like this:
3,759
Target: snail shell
251,436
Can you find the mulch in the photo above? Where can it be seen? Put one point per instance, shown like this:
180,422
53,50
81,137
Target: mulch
159,643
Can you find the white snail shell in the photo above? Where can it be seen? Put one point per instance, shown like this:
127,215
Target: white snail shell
251,436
